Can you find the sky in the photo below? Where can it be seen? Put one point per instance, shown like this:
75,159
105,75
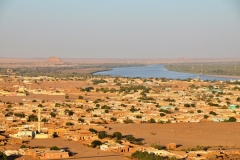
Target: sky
120,28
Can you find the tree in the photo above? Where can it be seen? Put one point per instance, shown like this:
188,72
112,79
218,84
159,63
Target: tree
206,116
126,121
93,130
152,120
186,105
81,120
138,116
117,135
213,113
102,134
54,148
130,138
69,124
113,119
3,156
232,119
44,120
55,135
32,118
238,99
57,104
96,143
80,97
162,114
67,96
53,114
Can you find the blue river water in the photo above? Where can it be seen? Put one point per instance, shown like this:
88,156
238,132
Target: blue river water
156,71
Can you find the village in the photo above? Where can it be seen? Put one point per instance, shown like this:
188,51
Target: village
87,110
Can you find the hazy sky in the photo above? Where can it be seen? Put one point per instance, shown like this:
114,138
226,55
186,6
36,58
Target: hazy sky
119,28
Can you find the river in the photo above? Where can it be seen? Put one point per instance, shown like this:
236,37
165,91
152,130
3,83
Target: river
156,71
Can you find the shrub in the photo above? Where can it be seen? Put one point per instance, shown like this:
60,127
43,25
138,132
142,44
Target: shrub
152,120
93,130
55,135
102,134
206,116
113,119
126,121
54,148
3,156
130,138
117,135
96,143
69,124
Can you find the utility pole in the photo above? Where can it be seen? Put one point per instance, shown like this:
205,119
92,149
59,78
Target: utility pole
39,119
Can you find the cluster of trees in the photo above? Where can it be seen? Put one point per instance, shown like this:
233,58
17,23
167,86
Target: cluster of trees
189,105
97,81
134,89
69,112
126,121
169,100
165,111
21,115
147,156
32,118
105,90
87,89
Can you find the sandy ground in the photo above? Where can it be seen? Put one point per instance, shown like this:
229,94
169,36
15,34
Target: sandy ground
186,134
81,151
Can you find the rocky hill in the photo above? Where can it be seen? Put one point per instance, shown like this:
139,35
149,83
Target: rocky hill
54,60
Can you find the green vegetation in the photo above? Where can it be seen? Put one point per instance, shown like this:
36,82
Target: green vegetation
238,99
96,81
198,148
21,115
81,120
102,135
213,113
231,119
211,68
113,119
96,143
3,156
93,130
54,148
69,124
151,120
146,156
159,147
126,121
117,135
32,118
55,135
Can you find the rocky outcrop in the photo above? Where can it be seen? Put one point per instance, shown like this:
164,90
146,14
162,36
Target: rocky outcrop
54,60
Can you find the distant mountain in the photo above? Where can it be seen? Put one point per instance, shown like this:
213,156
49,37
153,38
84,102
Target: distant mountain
54,60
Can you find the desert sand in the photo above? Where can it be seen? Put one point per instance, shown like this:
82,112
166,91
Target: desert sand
186,134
